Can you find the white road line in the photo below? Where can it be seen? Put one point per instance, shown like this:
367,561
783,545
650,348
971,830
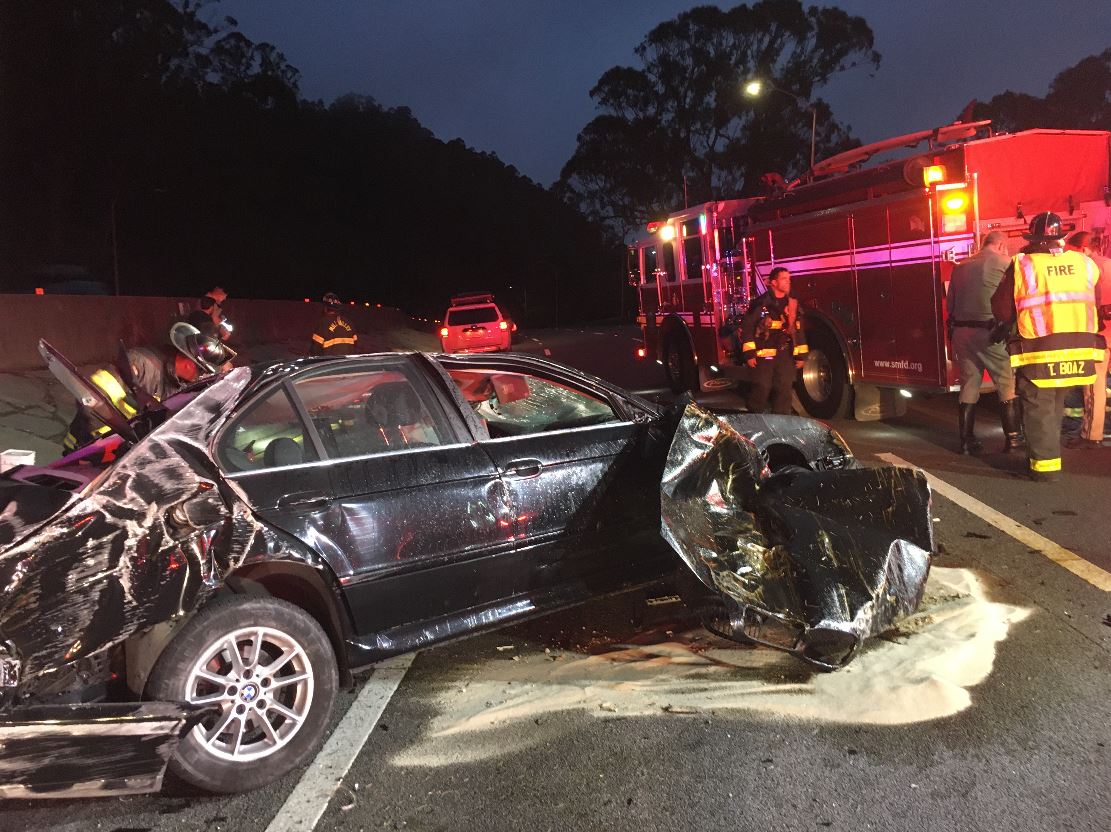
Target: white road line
308,800
1071,561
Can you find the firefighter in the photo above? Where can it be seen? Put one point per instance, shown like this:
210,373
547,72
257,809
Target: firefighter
333,334
155,372
1051,294
977,342
772,344
209,315
1094,407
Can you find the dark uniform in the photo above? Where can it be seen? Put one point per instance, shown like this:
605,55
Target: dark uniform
333,335
771,332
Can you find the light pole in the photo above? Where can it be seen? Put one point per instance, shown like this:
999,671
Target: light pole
755,87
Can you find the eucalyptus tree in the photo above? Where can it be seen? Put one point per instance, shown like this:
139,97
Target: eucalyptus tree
678,127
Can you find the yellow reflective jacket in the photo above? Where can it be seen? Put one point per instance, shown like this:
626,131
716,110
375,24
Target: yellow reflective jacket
1057,321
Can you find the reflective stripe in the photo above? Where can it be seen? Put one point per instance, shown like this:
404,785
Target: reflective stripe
333,341
1068,381
1055,297
748,345
1031,276
1045,464
802,349
775,324
115,392
766,353
318,338
1020,359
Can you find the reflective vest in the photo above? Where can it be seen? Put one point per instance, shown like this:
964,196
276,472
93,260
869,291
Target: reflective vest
1057,323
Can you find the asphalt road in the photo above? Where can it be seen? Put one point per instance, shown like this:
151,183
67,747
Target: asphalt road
990,712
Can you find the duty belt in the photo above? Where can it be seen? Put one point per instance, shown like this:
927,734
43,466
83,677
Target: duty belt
988,324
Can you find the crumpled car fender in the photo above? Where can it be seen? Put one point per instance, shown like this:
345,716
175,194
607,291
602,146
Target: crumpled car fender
153,539
812,562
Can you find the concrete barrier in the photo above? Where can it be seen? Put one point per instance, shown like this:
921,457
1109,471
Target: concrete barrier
88,328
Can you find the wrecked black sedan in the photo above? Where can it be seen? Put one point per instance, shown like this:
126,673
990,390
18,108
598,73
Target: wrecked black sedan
193,587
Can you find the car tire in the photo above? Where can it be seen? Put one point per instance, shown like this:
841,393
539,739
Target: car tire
269,722
823,382
682,375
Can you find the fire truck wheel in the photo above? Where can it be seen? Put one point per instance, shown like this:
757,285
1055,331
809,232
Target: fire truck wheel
823,382
679,367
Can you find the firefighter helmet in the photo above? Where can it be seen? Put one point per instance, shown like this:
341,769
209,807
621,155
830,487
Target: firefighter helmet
1045,226
208,353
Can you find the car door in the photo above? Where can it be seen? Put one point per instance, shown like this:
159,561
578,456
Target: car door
583,477
374,473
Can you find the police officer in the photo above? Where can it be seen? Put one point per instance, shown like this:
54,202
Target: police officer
155,373
977,341
333,334
1051,294
772,344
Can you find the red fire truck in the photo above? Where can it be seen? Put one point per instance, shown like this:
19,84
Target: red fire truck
870,249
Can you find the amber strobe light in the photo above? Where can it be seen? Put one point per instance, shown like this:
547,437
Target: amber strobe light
933,174
954,211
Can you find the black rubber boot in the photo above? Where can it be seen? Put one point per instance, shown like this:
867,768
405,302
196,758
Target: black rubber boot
967,422
1010,414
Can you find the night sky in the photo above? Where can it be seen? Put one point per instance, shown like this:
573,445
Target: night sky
513,76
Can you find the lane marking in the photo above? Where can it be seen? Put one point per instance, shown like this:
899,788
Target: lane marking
305,805
1061,556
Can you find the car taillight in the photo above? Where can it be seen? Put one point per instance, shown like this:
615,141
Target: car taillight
503,325
443,332
642,352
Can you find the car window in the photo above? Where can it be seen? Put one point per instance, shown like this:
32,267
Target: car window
514,404
368,411
269,434
474,315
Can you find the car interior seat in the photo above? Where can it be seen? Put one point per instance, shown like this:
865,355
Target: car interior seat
389,407
282,451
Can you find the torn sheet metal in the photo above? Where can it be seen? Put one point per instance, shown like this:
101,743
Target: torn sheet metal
152,541
90,750
812,562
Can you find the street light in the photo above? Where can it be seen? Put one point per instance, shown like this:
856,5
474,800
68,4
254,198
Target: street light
755,87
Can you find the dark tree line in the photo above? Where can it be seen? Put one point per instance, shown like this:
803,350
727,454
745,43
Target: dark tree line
678,128
1079,98
153,141
140,138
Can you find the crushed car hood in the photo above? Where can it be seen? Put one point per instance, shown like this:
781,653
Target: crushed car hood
812,562
113,561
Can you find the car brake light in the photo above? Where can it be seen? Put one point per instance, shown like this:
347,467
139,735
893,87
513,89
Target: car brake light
443,332
503,325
